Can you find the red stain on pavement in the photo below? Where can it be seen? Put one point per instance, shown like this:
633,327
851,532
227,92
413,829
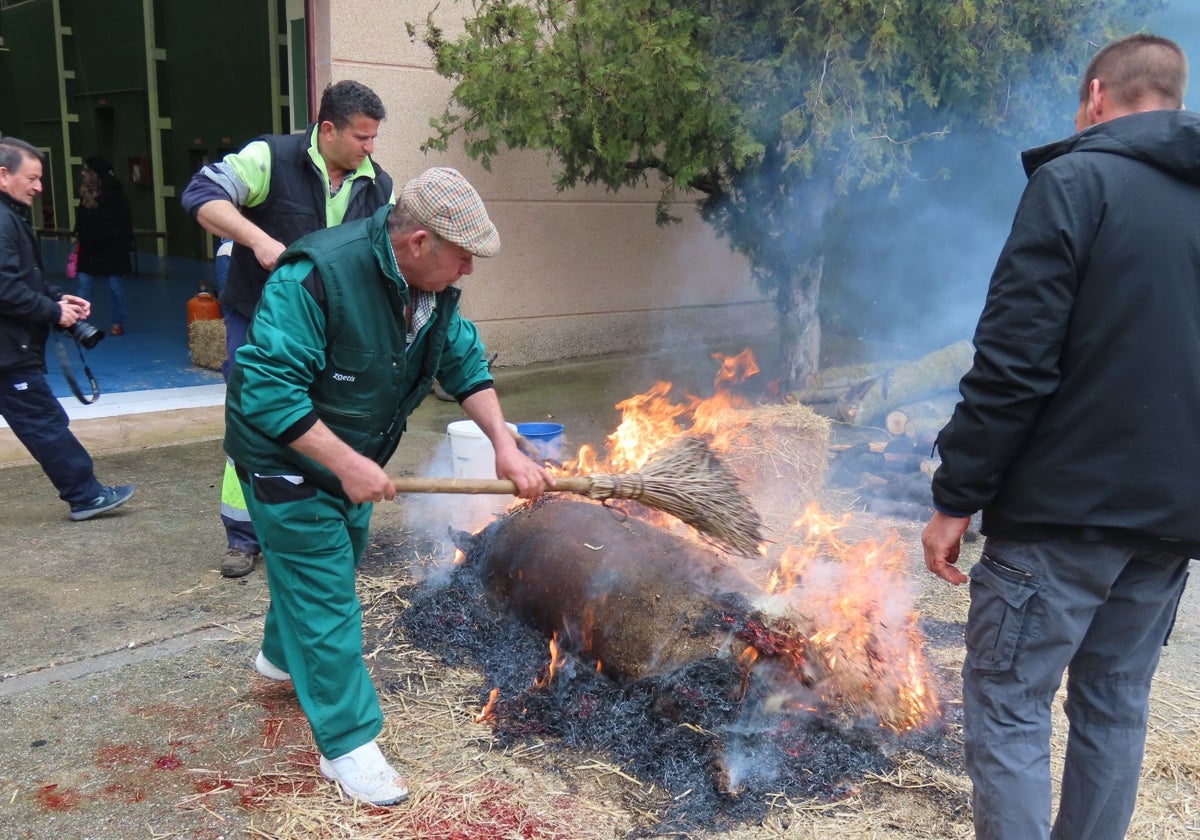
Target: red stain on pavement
499,814
128,794
52,798
170,761
212,785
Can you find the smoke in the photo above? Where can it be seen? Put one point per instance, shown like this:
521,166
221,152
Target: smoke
909,263
1180,21
913,269
914,273
436,515
721,754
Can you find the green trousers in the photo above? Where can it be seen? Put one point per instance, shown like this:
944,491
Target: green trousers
312,543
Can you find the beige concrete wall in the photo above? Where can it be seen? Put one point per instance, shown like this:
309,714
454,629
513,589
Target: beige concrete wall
580,273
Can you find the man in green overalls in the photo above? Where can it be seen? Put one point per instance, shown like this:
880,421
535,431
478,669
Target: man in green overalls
354,325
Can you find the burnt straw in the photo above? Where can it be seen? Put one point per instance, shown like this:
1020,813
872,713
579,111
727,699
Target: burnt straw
704,734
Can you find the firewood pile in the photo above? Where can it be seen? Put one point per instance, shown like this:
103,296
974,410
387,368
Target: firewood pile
890,415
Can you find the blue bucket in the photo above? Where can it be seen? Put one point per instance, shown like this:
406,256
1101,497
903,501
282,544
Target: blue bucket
546,438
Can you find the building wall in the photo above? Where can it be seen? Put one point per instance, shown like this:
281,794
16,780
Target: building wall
31,108
580,273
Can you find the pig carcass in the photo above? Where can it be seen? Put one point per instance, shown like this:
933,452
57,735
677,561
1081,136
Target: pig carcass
640,600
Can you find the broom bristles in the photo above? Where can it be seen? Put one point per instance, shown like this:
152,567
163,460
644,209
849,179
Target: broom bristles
689,482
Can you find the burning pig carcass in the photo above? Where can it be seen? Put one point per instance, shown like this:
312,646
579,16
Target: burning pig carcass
827,635
675,660
637,599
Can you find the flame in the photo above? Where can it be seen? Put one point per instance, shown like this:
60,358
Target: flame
489,709
858,624
650,420
864,625
556,661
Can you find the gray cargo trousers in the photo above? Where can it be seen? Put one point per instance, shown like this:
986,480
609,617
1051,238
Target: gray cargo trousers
1102,614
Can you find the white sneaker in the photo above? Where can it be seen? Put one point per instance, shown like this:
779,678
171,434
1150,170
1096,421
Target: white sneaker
364,775
265,667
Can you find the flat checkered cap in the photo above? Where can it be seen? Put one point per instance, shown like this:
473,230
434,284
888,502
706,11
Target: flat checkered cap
443,200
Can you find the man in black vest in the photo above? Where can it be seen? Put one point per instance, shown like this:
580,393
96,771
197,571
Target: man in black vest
265,197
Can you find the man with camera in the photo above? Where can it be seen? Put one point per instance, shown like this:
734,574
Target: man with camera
28,309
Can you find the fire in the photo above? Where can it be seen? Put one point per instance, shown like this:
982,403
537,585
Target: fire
863,622
650,420
859,622
489,710
557,660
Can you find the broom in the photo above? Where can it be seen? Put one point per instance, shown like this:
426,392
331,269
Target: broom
685,479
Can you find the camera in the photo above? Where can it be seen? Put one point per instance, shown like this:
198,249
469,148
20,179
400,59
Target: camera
85,335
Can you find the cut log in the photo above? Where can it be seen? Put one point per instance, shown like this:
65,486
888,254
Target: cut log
847,375
829,384
816,395
902,462
926,429
923,419
871,480
894,422
937,371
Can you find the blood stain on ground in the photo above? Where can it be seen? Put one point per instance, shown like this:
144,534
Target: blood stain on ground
170,761
126,793
52,798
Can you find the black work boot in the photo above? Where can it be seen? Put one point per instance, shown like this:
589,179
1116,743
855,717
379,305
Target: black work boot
237,563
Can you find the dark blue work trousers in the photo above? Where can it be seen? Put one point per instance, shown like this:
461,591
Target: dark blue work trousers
239,530
39,422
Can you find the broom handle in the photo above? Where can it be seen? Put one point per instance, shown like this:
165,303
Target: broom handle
419,484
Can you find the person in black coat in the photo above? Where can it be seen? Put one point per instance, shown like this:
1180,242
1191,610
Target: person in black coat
29,309
1078,437
104,230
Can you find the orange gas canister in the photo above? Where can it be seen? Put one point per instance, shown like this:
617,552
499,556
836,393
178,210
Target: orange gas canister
203,307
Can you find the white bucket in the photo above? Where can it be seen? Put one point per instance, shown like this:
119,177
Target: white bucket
471,451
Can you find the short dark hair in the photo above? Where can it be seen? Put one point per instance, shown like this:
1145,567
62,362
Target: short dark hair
342,102
1140,70
14,152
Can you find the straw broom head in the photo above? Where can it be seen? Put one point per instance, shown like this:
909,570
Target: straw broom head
688,481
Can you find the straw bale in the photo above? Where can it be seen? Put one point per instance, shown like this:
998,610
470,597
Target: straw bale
206,343
779,454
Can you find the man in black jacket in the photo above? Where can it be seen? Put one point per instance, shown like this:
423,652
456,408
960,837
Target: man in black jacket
1078,436
28,309
265,197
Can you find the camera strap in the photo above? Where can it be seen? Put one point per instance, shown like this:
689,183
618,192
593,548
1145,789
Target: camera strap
70,376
